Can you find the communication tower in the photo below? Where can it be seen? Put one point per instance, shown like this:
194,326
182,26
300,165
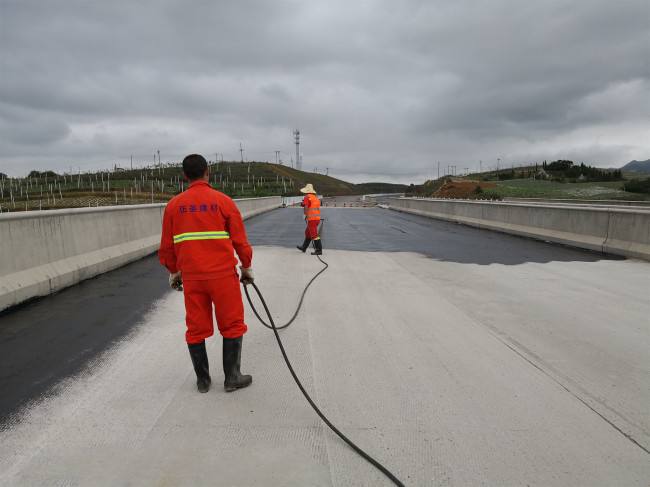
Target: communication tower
296,138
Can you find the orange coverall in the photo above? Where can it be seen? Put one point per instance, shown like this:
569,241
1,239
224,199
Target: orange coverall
202,229
311,205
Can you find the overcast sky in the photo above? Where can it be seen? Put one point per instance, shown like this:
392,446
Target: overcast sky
381,90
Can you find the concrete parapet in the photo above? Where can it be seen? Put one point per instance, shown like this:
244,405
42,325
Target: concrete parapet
45,251
618,231
249,207
579,202
628,234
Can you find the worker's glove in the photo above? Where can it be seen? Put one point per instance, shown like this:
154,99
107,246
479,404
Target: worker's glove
175,281
246,275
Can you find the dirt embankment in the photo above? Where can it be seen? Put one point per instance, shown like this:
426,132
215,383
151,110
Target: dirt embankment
462,189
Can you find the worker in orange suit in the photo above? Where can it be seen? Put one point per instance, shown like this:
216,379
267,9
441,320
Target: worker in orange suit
202,229
311,208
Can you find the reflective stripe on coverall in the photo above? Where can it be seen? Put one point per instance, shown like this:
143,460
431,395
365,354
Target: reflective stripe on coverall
202,230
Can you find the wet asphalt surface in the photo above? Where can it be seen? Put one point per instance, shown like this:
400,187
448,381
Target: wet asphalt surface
45,341
382,230
49,339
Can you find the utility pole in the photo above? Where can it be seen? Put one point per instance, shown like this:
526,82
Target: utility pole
438,169
480,165
131,162
498,162
241,152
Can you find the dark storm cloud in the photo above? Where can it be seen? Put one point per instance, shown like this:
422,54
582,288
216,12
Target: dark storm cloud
380,89
18,128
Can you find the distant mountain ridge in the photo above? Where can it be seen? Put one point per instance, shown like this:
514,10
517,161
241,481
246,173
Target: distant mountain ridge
637,166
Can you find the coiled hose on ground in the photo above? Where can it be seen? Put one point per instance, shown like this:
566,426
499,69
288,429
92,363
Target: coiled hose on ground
322,416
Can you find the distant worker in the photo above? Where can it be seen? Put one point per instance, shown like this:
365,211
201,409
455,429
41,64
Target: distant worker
202,229
311,205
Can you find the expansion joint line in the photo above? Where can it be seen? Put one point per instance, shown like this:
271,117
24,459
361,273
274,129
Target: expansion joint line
550,376
609,220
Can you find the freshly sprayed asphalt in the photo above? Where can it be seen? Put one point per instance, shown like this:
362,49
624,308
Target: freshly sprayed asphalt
455,356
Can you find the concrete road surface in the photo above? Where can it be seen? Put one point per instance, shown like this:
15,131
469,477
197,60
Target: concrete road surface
455,356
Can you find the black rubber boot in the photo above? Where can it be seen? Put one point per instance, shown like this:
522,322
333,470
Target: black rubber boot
303,247
319,247
231,365
200,361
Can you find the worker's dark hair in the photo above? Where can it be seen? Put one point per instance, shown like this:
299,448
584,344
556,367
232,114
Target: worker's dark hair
194,166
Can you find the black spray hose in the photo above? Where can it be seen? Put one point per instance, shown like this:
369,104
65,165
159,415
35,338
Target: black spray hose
302,297
275,329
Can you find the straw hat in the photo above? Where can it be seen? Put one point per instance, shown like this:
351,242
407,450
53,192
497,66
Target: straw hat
308,189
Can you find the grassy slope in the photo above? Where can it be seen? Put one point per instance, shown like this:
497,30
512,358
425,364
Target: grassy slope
238,180
325,185
527,188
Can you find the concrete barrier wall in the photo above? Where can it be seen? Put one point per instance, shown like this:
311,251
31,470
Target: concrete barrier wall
292,200
628,234
380,198
618,231
579,202
249,207
296,200
42,252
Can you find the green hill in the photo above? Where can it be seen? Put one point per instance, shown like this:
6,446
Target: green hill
325,185
637,167
45,190
377,188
